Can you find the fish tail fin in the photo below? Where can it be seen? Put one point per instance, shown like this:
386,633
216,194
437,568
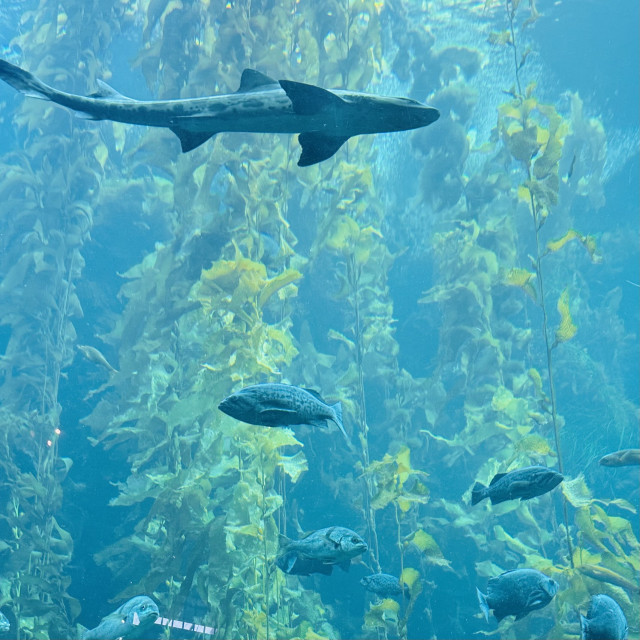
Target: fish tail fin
478,493
24,81
484,606
584,628
283,541
337,409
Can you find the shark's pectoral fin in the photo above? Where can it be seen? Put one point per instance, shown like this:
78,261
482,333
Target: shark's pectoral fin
191,139
308,99
317,147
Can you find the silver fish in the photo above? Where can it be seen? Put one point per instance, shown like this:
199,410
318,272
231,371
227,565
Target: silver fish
525,484
281,405
604,621
324,119
517,593
129,621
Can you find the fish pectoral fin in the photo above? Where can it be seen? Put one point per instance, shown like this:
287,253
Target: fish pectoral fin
535,599
344,565
189,140
317,147
307,99
252,80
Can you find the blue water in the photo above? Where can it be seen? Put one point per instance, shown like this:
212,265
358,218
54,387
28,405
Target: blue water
401,312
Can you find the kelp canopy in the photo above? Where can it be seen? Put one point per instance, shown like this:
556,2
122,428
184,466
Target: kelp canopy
440,285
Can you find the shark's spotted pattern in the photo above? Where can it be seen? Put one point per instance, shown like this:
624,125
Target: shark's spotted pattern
324,119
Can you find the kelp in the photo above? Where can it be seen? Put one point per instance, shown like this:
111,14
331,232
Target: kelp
220,302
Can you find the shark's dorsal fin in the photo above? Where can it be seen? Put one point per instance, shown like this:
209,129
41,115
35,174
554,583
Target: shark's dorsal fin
308,99
317,147
106,91
252,80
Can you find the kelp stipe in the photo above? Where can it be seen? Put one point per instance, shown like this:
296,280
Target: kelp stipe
49,190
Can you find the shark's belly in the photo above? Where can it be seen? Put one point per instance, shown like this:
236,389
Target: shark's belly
264,121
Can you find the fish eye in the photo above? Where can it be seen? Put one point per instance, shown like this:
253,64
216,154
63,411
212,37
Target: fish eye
143,607
354,540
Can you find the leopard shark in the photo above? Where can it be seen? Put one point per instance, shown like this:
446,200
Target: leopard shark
323,119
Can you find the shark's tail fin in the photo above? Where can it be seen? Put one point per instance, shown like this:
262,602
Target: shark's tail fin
24,81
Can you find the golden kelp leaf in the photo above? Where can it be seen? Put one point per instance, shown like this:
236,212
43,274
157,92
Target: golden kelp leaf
523,143
343,233
536,378
312,635
522,278
588,242
555,245
294,465
404,464
519,277
101,154
591,246
583,556
409,577
427,544
280,281
513,543
280,438
576,492
536,444
380,615
567,329
603,574
487,569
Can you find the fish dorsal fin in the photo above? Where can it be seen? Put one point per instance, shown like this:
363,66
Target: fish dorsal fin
496,478
315,394
253,80
106,91
308,99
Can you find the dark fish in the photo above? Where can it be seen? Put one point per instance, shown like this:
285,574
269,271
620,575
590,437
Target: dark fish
623,458
385,585
281,405
517,593
604,621
525,483
333,545
324,119
129,621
